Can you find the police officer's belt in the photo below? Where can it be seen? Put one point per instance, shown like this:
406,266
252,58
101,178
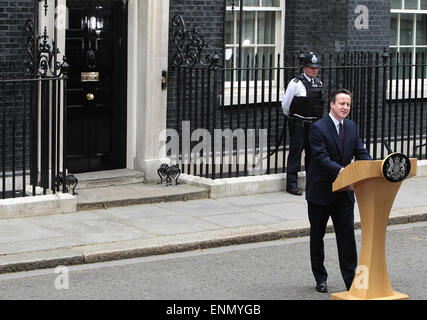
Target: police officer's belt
303,119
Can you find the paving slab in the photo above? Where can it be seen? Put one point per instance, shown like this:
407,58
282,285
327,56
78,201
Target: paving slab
89,227
241,219
21,230
201,208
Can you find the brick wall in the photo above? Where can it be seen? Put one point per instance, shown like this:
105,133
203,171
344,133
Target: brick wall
315,25
13,15
207,16
329,26
377,36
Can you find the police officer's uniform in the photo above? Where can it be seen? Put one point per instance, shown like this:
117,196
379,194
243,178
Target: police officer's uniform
303,104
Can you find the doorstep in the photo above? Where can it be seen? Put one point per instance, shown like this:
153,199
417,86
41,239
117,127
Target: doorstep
100,190
139,193
125,187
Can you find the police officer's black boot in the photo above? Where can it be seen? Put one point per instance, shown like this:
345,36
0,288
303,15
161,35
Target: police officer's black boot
291,184
294,190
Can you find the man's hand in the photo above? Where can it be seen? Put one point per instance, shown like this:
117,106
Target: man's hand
341,170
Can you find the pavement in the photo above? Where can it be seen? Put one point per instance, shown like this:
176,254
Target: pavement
96,235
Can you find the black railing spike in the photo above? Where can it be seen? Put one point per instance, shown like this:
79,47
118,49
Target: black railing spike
301,56
385,55
65,67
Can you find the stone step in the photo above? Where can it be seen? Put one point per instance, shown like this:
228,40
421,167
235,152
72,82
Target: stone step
99,179
124,187
134,194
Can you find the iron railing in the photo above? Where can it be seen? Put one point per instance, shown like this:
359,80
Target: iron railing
229,122
33,115
31,134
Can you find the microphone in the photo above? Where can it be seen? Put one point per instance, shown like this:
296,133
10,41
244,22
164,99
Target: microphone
420,145
387,147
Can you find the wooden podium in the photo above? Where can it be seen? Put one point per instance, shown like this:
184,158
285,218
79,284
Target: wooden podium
375,195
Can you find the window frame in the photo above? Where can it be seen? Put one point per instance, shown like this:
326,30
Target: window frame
278,45
413,49
278,48
414,13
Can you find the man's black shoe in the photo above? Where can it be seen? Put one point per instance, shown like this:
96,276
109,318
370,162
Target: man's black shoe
322,287
294,191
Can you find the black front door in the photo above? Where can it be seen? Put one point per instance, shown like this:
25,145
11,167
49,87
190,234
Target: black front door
96,91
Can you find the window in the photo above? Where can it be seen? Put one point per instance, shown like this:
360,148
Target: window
408,37
262,34
409,29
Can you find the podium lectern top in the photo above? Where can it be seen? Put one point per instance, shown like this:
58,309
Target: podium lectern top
359,171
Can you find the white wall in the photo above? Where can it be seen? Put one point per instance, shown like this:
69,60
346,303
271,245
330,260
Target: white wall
148,56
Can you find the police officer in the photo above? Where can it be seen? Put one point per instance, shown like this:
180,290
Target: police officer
302,104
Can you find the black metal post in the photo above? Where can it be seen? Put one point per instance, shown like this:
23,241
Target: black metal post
278,109
396,99
230,114
178,110
14,137
270,84
262,125
44,135
384,103
369,105
376,104
247,113
423,75
205,116
414,151
196,113
408,141
3,140
221,166
24,140
208,112
214,114
184,99
390,97
190,114
403,108
64,131
255,105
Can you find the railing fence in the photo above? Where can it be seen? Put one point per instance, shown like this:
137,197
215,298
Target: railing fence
31,135
229,120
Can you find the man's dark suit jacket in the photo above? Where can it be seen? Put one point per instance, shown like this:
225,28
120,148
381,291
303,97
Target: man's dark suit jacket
328,157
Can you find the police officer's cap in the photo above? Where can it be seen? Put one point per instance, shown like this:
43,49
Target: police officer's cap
311,60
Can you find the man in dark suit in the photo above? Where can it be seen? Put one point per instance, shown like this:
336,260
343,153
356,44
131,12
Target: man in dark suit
334,141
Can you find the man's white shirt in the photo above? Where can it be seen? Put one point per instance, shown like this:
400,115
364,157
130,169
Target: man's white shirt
294,89
337,123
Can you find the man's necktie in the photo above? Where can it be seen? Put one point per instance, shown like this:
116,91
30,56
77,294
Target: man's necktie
341,134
